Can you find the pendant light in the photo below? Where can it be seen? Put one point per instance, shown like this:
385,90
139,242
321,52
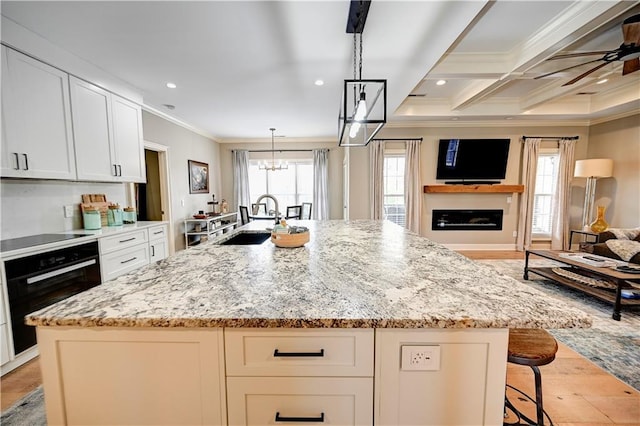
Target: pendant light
273,166
363,110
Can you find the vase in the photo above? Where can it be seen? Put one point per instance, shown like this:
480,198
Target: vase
600,224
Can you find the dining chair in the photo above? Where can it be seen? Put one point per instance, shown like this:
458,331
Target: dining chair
244,215
293,212
306,211
259,209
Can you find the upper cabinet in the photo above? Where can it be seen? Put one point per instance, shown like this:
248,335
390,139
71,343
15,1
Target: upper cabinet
37,141
108,135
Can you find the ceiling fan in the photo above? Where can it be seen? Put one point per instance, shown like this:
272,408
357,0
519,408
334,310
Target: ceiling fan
629,52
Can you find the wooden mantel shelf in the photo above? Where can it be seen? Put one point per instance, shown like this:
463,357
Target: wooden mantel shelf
430,189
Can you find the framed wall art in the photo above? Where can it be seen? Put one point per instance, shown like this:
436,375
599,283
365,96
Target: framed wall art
198,177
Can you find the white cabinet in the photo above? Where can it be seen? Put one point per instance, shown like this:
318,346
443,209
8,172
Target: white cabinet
37,141
299,375
158,243
197,231
4,328
122,253
108,135
465,388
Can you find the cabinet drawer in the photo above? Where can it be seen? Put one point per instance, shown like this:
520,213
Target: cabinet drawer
158,232
120,241
327,401
123,261
299,352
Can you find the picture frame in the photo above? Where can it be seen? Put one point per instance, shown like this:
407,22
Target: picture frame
198,177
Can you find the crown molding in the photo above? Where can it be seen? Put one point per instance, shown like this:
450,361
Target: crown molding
179,122
492,123
613,117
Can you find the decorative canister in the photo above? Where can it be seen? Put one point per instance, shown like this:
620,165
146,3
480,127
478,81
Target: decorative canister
91,218
129,215
224,206
114,215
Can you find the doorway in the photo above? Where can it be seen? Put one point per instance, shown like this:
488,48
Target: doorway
153,198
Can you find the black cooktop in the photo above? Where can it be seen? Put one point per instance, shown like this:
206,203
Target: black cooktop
35,240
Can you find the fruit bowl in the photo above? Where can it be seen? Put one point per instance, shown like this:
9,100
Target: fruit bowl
290,240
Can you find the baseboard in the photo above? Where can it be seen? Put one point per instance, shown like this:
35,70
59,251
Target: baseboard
20,359
509,247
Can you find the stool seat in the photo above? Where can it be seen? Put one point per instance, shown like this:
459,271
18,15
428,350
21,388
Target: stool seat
531,346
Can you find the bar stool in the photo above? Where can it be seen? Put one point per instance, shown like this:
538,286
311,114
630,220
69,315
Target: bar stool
533,347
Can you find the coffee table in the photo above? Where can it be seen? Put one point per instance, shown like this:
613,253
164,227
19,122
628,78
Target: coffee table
617,278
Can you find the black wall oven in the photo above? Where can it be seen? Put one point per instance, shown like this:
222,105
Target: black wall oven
37,281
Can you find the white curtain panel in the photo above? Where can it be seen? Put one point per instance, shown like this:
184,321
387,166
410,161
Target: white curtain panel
376,158
529,169
320,207
561,198
241,178
412,187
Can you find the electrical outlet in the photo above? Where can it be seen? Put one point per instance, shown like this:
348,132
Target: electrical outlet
68,211
515,234
508,200
420,358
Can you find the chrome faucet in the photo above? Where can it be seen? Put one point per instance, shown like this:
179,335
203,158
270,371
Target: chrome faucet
274,202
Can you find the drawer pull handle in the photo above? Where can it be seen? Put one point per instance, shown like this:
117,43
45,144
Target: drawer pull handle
128,239
296,354
26,161
280,418
17,161
156,233
129,260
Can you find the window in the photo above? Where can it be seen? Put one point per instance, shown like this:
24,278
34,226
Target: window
393,190
546,178
291,186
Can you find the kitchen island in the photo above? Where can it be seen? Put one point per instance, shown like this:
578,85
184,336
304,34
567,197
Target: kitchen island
224,334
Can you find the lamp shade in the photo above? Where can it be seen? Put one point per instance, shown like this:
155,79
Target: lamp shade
594,167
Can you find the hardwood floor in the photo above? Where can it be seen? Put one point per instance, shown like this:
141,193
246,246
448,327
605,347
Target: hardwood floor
576,392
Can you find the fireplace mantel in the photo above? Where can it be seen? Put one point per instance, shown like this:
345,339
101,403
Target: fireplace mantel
431,189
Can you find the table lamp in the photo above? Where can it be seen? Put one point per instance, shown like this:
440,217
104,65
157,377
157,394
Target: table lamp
592,169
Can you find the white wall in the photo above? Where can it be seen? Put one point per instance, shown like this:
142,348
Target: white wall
31,206
620,194
184,145
359,175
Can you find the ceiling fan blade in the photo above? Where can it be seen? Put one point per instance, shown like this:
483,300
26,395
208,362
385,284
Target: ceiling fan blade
583,75
632,65
578,54
631,30
567,68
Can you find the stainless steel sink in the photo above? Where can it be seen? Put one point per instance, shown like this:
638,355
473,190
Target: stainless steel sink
247,238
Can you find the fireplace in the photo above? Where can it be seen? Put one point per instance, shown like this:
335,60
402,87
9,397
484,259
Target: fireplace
467,220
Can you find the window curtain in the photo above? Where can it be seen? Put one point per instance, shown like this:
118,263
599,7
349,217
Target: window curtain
376,156
561,198
529,170
241,178
412,190
320,207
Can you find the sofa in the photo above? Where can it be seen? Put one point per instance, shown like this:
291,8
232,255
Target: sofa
624,244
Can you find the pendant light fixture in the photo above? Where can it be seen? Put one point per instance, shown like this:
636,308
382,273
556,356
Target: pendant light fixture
363,110
273,166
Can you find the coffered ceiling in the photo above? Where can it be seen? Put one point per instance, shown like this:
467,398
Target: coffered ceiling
242,67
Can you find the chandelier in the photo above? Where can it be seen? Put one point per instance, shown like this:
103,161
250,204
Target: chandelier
273,166
363,110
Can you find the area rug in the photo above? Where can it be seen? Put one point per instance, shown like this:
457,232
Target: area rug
28,411
612,345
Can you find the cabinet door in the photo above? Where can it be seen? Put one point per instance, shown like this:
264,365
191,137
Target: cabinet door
92,131
158,250
127,139
37,141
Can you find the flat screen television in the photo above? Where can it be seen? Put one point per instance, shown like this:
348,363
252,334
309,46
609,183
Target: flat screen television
472,159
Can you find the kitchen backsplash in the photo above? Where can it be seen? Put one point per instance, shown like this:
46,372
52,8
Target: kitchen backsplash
37,206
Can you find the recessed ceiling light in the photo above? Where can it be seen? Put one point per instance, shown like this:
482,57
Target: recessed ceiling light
604,80
171,85
319,82
441,82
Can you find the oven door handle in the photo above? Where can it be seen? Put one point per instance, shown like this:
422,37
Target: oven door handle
60,271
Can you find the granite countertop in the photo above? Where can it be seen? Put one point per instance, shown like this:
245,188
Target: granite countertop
84,236
365,274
